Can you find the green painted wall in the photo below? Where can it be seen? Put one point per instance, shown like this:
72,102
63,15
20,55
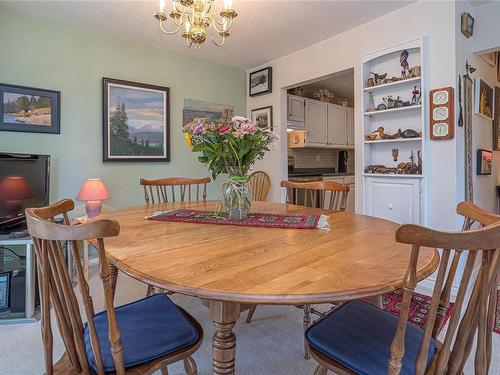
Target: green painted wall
45,54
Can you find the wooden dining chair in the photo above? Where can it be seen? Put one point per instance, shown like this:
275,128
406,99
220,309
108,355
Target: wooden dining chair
174,189
140,337
260,183
329,195
358,338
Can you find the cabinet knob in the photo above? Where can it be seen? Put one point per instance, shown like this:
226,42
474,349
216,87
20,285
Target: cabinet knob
391,206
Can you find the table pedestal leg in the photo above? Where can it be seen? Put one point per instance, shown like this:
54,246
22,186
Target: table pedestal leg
225,315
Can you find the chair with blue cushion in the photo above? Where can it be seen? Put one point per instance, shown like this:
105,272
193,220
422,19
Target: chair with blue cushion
140,337
358,338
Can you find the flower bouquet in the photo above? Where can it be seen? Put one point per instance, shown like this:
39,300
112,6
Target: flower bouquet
230,146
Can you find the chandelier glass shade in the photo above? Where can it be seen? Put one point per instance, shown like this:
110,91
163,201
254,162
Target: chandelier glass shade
196,19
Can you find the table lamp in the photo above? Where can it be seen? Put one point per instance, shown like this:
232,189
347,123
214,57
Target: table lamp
14,190
93,192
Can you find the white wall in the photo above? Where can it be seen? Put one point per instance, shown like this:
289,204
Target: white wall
487,27
436,20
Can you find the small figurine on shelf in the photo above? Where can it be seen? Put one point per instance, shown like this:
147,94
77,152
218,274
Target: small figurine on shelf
388,102
395,154
379,77
409,133
371,104
403,59
370,82
415,95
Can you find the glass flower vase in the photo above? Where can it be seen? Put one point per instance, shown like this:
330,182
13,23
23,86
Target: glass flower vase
236,197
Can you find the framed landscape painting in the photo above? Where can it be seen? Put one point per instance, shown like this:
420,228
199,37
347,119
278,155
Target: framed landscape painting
28,109
136,121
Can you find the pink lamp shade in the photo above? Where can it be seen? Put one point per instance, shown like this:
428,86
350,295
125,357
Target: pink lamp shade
14,188
93,192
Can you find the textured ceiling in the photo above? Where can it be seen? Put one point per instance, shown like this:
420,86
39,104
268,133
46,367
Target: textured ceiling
264,30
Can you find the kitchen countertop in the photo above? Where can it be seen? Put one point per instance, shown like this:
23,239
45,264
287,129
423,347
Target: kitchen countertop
312,172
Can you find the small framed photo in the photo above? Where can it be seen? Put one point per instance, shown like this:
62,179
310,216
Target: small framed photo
467,24
263,117
28,109
483,99
484,162
4,291
136,121
261,82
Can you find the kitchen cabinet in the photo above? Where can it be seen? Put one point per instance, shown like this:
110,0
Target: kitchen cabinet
350,127
337,126
348,180
295,114
393,199
316,118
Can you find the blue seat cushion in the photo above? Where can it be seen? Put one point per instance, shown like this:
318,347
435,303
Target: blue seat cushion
359,336
150,328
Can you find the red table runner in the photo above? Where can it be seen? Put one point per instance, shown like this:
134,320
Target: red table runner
253,220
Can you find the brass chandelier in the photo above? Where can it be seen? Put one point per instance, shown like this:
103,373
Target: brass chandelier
198,16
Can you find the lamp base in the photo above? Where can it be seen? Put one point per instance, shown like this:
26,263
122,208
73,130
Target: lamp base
93,208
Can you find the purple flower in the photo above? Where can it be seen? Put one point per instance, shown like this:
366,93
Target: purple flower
198,128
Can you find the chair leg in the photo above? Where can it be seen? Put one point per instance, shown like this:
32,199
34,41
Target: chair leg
190,366
164,370
151,291
251,311
307,324
320,370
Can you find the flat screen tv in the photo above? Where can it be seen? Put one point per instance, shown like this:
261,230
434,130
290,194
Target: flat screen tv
24,182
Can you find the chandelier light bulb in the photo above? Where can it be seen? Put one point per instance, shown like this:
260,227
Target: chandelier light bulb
162,5
174,5
188,26
228,4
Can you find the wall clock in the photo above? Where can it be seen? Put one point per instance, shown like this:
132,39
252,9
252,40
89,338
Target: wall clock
442,113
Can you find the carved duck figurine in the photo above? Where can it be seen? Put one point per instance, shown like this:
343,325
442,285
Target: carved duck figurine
408,133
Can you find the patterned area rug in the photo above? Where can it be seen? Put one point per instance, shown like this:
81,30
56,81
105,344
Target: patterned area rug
253,220
496,325
419,307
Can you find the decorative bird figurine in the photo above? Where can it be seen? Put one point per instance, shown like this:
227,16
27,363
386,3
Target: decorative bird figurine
403,59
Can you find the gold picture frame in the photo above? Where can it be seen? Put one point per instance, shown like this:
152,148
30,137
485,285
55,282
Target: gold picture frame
467,24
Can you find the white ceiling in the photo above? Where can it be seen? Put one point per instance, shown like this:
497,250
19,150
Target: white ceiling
264,29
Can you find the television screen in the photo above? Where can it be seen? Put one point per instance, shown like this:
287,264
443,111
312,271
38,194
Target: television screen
24,182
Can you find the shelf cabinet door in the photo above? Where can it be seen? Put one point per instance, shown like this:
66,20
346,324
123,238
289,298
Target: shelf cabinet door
395,200
337,120
350,127
316,118
295,109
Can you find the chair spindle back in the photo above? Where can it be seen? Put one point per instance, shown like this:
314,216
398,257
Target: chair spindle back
323,194
260,183
174,189
483,244
56,288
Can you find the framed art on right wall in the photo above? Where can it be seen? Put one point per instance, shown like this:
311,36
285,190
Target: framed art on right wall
483,99
484,162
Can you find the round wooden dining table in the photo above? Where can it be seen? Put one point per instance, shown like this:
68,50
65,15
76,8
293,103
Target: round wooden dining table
230,266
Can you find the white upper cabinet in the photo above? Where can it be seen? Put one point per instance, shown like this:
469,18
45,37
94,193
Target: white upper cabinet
316,118
337,130
295,115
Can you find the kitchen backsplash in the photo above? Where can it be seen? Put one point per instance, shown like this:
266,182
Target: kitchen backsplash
319,158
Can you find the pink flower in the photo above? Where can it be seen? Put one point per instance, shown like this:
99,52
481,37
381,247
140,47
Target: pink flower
248,128
224,129
239,119
238,133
